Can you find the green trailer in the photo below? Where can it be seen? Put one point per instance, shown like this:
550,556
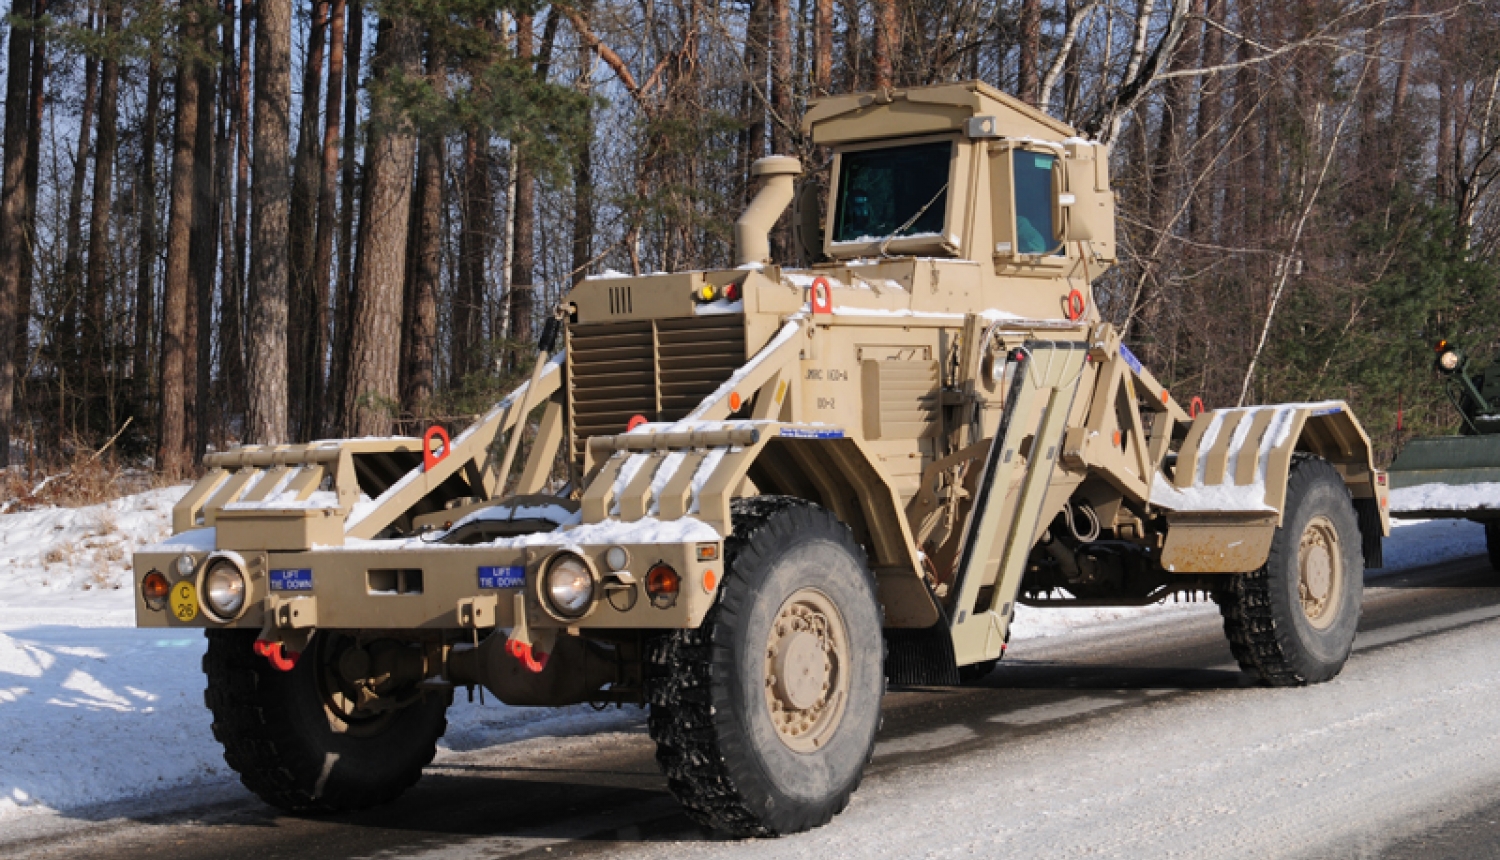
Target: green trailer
1456,477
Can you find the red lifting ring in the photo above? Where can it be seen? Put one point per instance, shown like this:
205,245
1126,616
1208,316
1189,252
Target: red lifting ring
1076,306
635,421
822,296
1195,407
430,459
283,660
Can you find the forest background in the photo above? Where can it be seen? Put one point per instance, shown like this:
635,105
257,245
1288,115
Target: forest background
275,221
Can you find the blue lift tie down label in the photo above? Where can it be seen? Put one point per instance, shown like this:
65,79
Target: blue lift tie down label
1130,359
502,577
809,433
293,579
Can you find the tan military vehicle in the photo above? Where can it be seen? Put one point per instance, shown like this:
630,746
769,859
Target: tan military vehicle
756,496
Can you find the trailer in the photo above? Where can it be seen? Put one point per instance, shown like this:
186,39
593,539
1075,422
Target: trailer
1458,476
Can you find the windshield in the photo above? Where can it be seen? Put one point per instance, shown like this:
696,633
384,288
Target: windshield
901,191
1033,177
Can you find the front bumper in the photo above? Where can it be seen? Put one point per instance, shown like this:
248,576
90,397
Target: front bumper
411,585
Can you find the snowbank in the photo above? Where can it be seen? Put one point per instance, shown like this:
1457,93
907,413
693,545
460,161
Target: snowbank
93,710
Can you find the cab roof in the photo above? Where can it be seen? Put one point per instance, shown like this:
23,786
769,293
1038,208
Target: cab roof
925,110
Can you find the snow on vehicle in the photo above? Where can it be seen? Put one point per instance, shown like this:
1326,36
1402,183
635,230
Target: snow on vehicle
787,487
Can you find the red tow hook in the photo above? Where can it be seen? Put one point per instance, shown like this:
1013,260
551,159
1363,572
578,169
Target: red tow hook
535,661
282,660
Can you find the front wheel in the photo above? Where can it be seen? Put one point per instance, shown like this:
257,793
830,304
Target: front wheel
296,739
765,716
1292,622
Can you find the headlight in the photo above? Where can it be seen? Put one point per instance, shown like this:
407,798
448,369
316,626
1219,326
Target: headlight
569,585
224,590
1449,360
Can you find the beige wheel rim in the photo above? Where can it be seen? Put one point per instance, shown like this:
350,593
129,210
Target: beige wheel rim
1320,572
807,670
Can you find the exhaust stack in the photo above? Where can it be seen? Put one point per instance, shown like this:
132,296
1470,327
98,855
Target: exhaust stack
752,232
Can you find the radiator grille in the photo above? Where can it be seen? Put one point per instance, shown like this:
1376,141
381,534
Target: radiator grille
657,368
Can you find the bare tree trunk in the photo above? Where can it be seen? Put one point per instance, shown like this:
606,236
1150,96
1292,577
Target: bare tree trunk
473,253
26,261
375,329
823,48
12,211
583,177
313,418
266,418
752,98
1030,49
205,239
96,329
236,341
343,310
66,334
420,337
145,275
172,458
781,76
887,43
231,287
523,260
1210,109
302,230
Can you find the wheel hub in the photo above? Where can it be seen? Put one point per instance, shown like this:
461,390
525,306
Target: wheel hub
1321,571
806,676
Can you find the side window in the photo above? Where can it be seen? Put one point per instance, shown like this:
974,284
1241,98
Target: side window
1033,185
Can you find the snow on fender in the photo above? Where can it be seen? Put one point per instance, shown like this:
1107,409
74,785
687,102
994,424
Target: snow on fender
1226,495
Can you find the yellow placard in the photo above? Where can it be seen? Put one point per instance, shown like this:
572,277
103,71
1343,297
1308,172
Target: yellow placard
184,601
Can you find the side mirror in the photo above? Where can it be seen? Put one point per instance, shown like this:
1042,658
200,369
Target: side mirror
1084,207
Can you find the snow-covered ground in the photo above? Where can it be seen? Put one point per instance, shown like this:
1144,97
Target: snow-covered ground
76,680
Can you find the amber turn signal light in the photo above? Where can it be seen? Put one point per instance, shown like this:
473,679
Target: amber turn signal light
662,585
154,590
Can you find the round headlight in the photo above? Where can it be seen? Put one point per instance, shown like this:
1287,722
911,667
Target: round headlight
1449,360
185,565
224,590
569,586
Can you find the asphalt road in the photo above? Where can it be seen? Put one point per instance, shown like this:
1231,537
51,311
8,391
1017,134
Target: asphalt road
602,796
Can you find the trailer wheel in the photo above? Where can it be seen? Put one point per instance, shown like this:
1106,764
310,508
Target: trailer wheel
294,742
1292,622
765,716
1492,542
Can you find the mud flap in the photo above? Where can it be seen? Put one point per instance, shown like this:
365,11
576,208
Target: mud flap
922,657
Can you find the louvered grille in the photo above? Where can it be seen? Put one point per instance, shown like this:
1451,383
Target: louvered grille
657,368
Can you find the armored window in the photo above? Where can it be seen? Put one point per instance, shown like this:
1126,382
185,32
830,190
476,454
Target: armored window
1033,184
890,193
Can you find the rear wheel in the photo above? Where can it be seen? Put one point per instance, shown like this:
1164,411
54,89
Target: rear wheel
765,716
1292,622
296,738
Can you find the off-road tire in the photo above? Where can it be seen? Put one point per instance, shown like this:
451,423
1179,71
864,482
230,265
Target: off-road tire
724,757
1269,632
278,735
1492,542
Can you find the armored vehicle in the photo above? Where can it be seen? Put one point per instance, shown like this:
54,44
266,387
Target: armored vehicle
756,496
1456,477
